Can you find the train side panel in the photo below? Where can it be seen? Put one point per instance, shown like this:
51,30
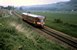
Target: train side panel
29,19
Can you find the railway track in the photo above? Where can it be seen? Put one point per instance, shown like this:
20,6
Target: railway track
70,42
61,38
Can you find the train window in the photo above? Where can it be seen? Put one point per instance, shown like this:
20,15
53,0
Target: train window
41,20
38,20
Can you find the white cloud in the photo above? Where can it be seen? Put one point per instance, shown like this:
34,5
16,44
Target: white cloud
27,2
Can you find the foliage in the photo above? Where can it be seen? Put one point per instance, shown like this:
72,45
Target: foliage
58,21
0,15
8,7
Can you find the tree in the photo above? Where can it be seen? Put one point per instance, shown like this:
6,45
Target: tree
10,7
1,7
21,8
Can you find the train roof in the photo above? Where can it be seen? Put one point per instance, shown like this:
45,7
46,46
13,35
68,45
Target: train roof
32,15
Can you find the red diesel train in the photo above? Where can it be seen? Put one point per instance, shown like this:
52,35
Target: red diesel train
34,19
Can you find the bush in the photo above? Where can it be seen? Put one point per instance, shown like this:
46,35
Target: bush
72,25
58,21
0,15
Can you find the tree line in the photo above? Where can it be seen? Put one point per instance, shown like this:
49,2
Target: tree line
8,7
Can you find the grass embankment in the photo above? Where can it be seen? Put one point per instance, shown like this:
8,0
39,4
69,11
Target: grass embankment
16,35
62,21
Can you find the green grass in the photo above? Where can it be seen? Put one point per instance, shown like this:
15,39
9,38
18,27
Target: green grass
68,25
13,39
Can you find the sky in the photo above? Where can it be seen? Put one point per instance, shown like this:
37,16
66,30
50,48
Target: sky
28,2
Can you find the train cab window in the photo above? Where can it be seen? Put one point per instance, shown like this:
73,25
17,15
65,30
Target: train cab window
41,20
38,20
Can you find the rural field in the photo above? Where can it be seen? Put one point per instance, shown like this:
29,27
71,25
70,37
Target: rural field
17,35
63,21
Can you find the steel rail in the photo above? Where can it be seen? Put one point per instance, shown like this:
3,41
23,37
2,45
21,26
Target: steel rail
60,37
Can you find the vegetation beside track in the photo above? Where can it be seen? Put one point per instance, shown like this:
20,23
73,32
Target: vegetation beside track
16,34
63,21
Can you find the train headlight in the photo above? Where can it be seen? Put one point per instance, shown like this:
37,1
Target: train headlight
43,23
38,23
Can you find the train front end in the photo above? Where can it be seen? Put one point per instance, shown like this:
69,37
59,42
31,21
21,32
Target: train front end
41,21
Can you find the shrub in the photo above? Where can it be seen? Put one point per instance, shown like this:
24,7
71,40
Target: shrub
0,15
58,21
72,25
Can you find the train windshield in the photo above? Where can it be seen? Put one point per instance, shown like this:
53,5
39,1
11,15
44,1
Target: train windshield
42,21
